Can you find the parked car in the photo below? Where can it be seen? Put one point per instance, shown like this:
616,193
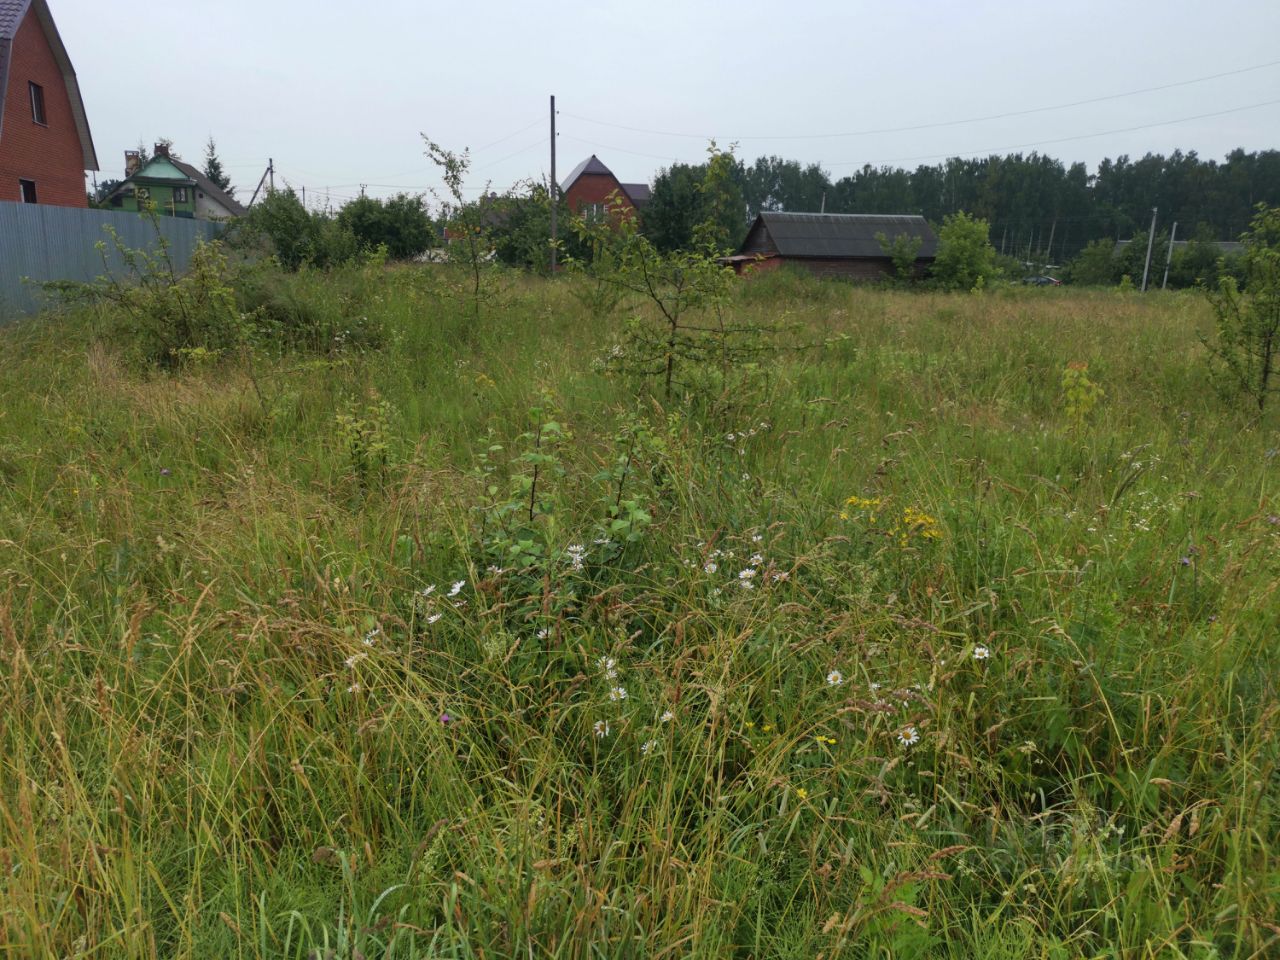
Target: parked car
1042,282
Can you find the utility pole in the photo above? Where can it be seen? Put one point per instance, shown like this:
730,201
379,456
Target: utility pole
1048,251
258,189
1169,259
271,175
1151,239
304,196
555,187
824,202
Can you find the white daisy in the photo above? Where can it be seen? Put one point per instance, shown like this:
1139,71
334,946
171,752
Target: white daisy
981,653
601,728
618,693
371,637
667,717
432,618
835,678
908,736
648,746
457,587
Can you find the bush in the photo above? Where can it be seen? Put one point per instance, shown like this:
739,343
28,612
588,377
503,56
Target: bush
282,226
400,223
159,316
966,260
1095,265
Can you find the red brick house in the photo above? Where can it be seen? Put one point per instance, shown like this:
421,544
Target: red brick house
45,146
588,189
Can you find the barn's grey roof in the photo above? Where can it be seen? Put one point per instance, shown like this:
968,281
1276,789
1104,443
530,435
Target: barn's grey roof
12,13
841,235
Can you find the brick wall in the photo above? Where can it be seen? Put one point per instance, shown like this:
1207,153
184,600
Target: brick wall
594,188
51,154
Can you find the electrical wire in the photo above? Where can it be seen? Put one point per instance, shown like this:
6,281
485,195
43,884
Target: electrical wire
1082,136
940,123
972,153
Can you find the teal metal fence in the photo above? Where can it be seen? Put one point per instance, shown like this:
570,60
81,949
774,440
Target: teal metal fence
40,242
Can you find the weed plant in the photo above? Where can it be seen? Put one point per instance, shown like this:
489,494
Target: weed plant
454,646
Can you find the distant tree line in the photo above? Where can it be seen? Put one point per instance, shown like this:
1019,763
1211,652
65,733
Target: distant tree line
1037,207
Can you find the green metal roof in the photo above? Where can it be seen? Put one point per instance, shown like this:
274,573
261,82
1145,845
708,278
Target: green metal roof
160,168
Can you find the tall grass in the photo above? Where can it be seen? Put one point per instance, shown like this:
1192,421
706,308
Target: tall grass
242,716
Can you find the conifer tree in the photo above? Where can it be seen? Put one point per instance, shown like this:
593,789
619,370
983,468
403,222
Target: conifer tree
213,169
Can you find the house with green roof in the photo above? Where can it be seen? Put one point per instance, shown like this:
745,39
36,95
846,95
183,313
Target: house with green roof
176,188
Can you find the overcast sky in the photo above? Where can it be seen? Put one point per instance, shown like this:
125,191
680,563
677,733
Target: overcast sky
339,93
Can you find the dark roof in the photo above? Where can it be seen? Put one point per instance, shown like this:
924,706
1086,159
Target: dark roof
639,193
234,206
841,234
591,165
12,13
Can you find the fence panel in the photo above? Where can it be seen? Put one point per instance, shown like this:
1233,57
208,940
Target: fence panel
40,242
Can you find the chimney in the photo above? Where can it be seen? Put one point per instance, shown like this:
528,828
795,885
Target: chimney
161,150
132,161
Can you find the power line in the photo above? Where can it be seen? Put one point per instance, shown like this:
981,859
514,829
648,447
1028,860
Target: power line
940,123
528,126
1042,143
970,153
605,146
541,142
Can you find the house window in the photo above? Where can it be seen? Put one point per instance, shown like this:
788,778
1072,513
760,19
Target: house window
28,190
179,194
593,212
37,103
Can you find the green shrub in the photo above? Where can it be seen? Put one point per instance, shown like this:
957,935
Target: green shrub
399,223
1246,345
966,260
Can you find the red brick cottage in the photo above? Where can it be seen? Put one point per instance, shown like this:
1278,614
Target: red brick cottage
588,189
45,146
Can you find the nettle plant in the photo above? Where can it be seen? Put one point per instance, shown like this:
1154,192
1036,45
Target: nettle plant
526,541
520,517
365,436
1080,395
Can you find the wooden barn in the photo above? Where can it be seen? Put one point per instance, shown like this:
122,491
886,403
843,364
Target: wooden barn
832,245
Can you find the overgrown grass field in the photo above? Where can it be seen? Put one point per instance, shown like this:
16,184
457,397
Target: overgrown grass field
895,644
